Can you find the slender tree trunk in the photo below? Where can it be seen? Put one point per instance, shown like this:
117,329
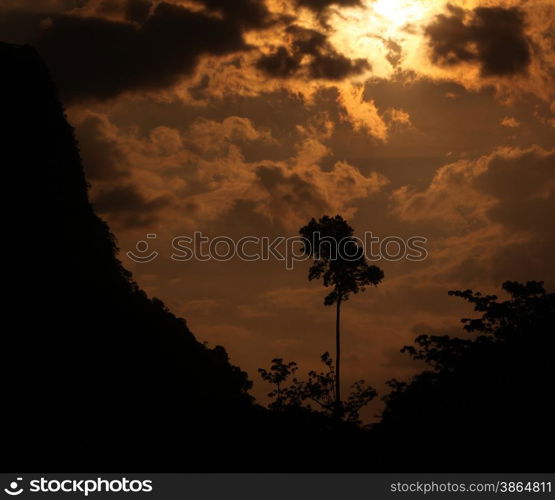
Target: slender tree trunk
337,357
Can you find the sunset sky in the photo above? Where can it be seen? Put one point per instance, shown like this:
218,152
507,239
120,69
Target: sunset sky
249,117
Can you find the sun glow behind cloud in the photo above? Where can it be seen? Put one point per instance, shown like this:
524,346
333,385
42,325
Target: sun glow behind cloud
399,13
383,31
390,35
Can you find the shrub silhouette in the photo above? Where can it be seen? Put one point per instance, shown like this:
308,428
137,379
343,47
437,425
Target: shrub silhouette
318,389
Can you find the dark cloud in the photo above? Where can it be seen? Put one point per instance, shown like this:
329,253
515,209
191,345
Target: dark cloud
324,63
280,64
111,7
519,187
243,219
527,213
524,187
321,5
249,13
103,158
15,26
91,57
289,194
307,41
493,37
128,207
137,10
336,66
42,6
394,52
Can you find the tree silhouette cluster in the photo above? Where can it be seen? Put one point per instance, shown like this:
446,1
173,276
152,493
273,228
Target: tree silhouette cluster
318,389
487,401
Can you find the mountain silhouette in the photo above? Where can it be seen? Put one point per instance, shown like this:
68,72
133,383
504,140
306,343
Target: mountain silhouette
93,371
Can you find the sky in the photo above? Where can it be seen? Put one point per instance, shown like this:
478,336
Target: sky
249,117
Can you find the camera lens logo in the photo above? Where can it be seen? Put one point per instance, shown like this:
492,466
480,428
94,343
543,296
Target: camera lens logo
14,488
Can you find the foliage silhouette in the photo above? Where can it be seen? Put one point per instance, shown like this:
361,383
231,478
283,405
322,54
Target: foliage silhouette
278,374
318,389
487,401
341,264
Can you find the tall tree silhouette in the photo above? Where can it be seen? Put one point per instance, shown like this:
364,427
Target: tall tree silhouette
340,262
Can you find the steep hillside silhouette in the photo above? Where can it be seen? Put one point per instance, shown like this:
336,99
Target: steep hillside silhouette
93,371
94,374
